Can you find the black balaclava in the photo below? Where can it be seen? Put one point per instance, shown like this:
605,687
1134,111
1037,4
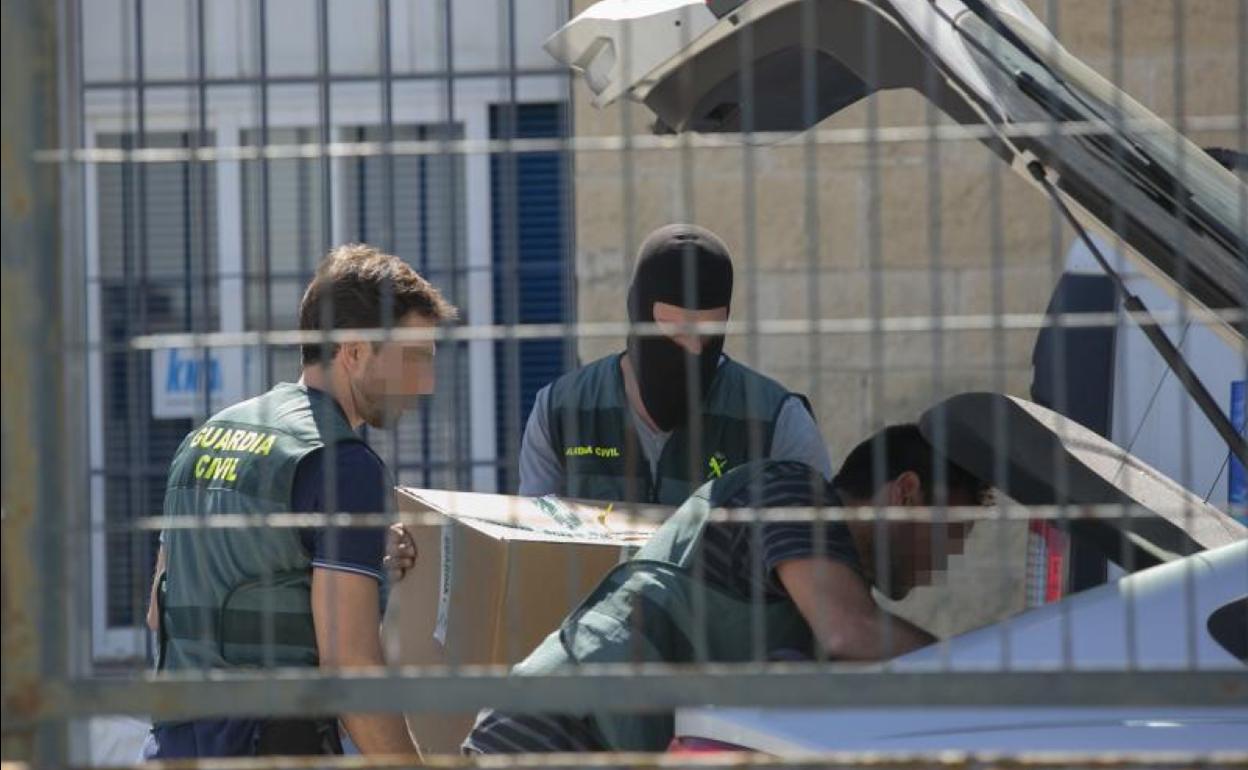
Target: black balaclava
686,266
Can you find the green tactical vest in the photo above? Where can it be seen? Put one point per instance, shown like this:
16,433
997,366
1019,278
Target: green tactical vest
592,433
242,597
647,610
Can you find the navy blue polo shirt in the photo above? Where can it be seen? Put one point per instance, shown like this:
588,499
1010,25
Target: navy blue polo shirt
362,485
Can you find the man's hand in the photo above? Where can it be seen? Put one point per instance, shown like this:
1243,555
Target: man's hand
400,552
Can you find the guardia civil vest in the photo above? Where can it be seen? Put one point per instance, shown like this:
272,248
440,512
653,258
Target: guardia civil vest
653,608
242,597
592,434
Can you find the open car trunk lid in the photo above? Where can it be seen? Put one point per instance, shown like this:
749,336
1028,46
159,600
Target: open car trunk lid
1037,457
785,65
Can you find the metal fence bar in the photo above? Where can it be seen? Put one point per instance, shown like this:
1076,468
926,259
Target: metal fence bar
884,135
336,77
1242,129
822,326
76,460
648,687
953,760
1230,532
36,503
136,260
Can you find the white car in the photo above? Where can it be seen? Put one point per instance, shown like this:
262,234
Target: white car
1096,623
1169,587
1171,612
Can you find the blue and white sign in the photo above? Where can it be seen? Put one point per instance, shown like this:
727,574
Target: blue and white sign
195,382
1236,493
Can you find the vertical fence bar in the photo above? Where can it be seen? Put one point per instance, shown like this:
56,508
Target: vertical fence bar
687,211
389,237
1061,483
195,212
1119,221
1178,10
35,483
77,461
135,280
629,243
264,214
1242,112
1061,391
457,273
749,249
814,274
506,129
568,288
1000,437
938,497
876,304
1242,134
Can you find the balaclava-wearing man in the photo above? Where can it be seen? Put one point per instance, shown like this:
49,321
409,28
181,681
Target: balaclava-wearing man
686,266
620,428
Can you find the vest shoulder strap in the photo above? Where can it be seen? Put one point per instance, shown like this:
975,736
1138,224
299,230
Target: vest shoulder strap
305,414
743,393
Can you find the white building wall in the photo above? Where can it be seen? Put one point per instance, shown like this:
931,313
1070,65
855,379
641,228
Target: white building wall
479,60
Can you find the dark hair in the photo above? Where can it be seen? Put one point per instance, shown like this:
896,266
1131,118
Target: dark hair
904,449
358,287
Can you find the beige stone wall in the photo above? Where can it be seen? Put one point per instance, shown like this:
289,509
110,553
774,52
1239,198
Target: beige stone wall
797,218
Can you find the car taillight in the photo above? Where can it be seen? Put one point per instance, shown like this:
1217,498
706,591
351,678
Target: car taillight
687,745
1048,548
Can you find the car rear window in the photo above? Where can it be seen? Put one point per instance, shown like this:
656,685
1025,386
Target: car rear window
1229,627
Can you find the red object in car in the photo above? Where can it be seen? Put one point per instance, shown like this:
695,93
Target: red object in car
1049,549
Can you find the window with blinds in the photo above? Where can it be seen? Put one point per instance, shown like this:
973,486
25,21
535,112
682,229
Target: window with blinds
157,273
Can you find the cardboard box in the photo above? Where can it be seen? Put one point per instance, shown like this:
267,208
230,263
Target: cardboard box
491,580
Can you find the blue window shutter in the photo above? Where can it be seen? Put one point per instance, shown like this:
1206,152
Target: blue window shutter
530,248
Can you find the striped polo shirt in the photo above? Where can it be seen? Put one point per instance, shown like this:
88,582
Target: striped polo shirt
739,558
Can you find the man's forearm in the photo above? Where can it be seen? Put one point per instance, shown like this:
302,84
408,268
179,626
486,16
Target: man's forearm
898,636
877,636
846,621
379,733
374,733
345,611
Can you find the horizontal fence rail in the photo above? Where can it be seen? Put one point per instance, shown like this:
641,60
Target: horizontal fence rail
644,687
